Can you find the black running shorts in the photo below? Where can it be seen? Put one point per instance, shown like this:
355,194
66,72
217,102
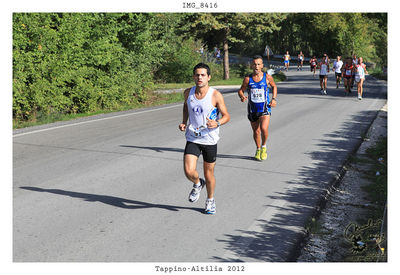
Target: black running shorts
253,117
209,152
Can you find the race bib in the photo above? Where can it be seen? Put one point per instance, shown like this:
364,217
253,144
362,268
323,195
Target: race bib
257,95
348,72
197,132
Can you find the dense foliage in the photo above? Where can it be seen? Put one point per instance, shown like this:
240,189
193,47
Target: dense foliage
364,34
84,62
75,63
227,28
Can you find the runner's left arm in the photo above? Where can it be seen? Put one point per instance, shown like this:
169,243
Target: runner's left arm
274,90
220,104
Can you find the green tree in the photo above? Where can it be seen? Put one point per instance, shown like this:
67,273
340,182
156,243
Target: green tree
230,28
334,33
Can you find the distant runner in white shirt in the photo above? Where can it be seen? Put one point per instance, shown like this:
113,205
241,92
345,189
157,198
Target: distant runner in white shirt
337,66
323,75
360,72
300,59
355,62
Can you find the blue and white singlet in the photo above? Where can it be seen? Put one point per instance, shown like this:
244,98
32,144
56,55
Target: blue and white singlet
258,95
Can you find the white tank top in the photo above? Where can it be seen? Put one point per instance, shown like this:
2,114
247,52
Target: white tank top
199,110
338,66
323,69
360,73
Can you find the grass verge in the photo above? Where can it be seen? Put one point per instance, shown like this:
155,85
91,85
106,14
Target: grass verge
153,99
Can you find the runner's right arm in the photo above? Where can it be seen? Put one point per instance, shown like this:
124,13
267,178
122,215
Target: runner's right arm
185,113
243,88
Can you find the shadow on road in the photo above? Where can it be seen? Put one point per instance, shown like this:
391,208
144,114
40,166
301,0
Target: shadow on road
280,238
110,200
168,149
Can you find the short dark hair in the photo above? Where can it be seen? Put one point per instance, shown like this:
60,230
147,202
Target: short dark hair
202,66
257,57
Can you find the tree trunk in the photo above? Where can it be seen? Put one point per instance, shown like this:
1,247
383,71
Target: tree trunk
226,59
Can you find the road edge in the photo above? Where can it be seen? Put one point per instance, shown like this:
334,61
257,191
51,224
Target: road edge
295,253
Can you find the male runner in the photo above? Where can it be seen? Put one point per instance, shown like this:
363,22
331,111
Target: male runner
202,106
286,61
327,59
337,66
300,59
323,74
355,62
360,72
259,105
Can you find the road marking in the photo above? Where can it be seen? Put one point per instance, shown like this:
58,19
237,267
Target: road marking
100,119
95,120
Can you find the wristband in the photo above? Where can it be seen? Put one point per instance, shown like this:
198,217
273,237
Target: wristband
219,123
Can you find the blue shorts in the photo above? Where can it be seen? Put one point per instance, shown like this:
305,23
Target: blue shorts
254,115
286,61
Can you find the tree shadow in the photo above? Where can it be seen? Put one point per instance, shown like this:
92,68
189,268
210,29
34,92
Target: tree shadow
110,200
179,150
281,237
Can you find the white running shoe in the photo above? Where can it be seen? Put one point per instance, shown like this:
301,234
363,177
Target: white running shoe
210,206
325,92
195,193
359,97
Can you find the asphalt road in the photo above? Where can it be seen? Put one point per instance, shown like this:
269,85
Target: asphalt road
112,188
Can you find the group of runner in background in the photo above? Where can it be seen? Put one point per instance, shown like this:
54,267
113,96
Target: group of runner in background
352,70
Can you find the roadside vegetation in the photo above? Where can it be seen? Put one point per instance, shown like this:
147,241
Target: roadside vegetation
152,98
378,73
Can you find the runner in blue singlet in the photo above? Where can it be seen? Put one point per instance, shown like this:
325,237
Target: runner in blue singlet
259,105
286,61
258,95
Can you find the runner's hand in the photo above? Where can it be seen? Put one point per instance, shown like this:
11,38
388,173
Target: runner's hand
212,123
182,127
273,103
243,99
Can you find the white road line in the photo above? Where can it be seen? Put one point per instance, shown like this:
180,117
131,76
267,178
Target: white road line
99,119
95,120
